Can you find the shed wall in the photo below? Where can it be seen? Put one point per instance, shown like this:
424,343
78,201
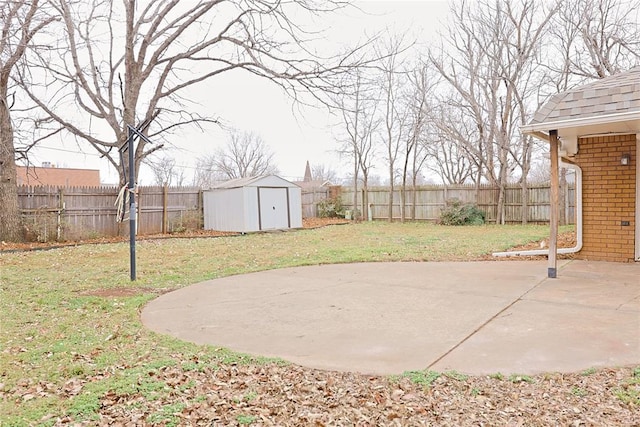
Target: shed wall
295,207
609,191
251,212
224,210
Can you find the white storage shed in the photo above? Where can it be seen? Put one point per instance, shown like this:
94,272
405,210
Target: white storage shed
253,204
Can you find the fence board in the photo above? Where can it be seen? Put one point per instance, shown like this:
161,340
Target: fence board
73,213
310,198
430,200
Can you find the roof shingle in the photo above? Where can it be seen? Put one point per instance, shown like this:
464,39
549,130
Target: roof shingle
619,93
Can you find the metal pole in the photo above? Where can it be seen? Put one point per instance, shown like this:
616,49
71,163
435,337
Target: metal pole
132,207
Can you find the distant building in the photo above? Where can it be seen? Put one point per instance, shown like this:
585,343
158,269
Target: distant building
309,182
48,174
307,173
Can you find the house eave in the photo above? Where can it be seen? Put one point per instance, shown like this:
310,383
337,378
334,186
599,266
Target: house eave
541,130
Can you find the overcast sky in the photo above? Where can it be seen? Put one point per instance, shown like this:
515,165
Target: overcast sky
248,103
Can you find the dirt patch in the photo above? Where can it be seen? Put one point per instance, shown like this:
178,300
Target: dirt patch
565,240
117,292
322,222
126,291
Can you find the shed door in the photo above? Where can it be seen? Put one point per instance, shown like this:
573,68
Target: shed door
273,208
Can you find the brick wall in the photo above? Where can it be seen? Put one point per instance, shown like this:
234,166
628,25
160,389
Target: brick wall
64,177
609,190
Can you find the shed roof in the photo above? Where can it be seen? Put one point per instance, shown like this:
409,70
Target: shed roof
237,182
607,105
252,181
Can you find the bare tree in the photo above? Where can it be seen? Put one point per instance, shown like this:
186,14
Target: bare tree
205,175
540,172
124,63
395,112
595,39
460,63
166,172
527,27
447,145
246,154
420,85
324,173
490,63
21,21
358,112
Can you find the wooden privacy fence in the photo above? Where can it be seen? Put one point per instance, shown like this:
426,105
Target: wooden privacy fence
74,213
310,199
430,200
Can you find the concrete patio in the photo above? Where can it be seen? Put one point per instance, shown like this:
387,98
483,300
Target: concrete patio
387,318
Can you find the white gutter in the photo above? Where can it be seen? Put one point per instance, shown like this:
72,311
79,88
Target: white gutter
578,245
537,129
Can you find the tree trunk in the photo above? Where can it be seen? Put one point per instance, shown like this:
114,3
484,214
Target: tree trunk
403,200
499,205
365,197
403,188
355,187
391,187
390,206
414,178
414,198
10,229
502,184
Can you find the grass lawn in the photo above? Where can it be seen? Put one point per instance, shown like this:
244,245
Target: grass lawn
71,351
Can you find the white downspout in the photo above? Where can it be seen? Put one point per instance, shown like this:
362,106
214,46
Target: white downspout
578,245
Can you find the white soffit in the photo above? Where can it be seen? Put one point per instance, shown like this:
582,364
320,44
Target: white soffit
620,123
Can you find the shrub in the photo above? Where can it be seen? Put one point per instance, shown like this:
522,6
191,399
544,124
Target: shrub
330,208
187,221
458,213
42,226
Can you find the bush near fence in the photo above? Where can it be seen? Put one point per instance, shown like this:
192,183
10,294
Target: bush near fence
76,213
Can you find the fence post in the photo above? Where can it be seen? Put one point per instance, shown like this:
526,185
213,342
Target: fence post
444,197
139,211
164,208
60,210
524,203
201,207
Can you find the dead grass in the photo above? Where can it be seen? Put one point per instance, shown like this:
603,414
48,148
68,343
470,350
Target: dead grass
34,244
73,350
